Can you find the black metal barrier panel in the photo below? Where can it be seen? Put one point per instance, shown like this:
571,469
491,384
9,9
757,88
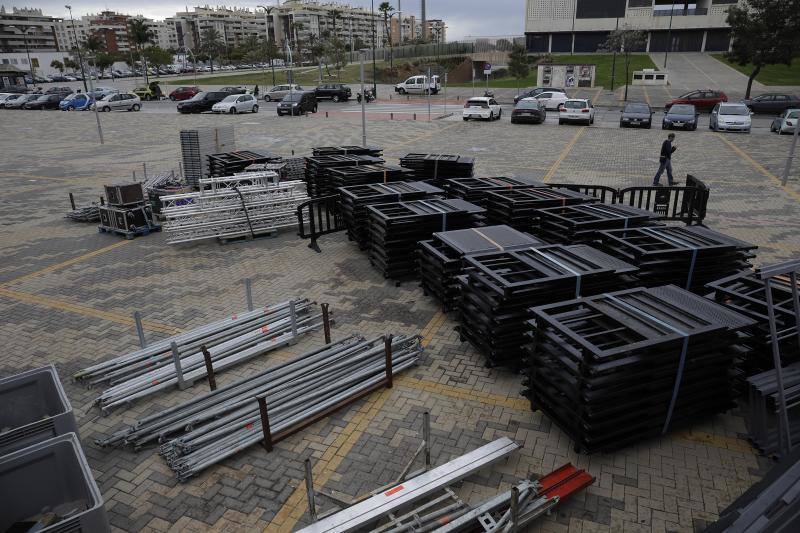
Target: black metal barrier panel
606,195
319,217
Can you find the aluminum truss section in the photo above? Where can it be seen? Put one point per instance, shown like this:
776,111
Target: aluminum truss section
240,179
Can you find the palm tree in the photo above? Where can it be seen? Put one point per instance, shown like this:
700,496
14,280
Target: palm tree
140,36
210,44
58,65
387,10
296,28
335,14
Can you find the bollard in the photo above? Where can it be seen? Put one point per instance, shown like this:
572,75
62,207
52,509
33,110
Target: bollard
415,116
176,359
72,201
102,201
326,323
292,152
212,380
134,176
144,169
312,503
391,116
262,407
326,114
248,293
137,319
387,340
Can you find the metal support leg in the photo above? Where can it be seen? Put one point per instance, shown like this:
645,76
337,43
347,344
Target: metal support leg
783,417
514,509
212,380
426,434
262,407
176,359
134,176
72,201
312,501
144,169
388,349
326,323
137,318
248,292
293,314
796,300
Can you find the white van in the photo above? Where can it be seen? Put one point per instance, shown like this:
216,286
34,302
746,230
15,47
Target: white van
419,85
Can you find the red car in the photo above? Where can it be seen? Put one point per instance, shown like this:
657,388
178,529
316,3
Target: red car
704,99
183,93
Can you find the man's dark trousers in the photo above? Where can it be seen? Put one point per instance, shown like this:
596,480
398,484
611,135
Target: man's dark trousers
665,164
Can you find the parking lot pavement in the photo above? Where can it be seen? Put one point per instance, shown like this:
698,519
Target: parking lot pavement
67,294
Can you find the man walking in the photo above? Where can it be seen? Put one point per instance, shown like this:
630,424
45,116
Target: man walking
667,149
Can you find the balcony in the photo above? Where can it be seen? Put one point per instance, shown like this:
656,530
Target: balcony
680,12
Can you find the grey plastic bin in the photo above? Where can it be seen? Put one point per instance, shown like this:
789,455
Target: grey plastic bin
45,475
33,408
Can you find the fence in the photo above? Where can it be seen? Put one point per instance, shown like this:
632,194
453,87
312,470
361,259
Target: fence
454,48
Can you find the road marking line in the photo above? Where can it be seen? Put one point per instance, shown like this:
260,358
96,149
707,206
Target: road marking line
564,153
759,167
421,137
718,441
66,263
646,95
596,98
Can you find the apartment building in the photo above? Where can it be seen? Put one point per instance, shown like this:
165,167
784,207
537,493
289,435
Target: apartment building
560,26
433,30
26,24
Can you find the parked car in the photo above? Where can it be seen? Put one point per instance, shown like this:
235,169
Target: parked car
335,91
202,101
482,107
183,93
19,103
58,90
529,110
730,117
773,103
680,116
101,92
532,93
76,102
787,122
45,101
637,115
701,100
298,104
576,110
144,93
120,102
279,91
7,98
552,99
419,85
234,90
236,103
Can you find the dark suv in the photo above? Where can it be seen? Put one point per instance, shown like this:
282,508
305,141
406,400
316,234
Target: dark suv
298,104
233,90
202,101
335,91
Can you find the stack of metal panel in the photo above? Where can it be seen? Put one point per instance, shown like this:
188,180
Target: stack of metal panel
762,407
356,198
197,145
246,205
161,180
318,179
209,428
438,167
179,360
373,151
519,208
499,288
365,174
574,224
474,190
440,259
230,163
689,257
617,368
746,293
396,228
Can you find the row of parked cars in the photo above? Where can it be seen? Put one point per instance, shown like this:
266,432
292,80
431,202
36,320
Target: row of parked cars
64,99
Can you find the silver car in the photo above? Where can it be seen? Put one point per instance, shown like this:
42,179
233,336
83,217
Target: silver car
9,99
119,102
236,103
19,103
787,122
279,91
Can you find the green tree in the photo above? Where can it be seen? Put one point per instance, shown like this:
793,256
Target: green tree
337,54
157,57
94,44
210,46
140,36
296,28
71,64
765,32
625,40
103,60
518,63
335,14
387,10
58,65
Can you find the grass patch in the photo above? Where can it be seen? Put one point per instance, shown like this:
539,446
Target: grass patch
304,76
602,74
770,74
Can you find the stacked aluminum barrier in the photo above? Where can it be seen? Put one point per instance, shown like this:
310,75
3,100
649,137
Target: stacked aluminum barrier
179,360
217,425
234,206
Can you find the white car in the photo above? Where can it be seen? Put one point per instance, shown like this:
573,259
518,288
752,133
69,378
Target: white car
236,103
552,99
576,110
730,117
419,85
118,102
482,107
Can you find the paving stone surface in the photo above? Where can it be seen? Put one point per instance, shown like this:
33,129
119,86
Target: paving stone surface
67,294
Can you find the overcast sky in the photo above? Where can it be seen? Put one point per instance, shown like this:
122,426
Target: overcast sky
463,17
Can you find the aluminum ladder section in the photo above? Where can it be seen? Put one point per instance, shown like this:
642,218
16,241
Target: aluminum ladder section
359,516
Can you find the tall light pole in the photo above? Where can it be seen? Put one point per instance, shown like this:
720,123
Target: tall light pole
361,54
374,68
96,115
400,23
24,31
268,12
78,47
669,34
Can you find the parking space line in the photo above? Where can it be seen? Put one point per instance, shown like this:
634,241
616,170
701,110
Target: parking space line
564,153
759,167
597,95
421,137
646,95
66,263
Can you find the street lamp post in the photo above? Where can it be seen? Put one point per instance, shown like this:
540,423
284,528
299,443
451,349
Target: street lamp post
78,47
669,34
361,54
96,115
374,67
267,12
24,31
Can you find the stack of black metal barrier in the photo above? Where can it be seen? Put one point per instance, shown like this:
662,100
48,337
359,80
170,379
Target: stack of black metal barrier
365,174
318,178
689,257
519,208
229,163
441,258
762,407
373,151
438,167
356,198
575,224
474,190
617,368
396,228
499,288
